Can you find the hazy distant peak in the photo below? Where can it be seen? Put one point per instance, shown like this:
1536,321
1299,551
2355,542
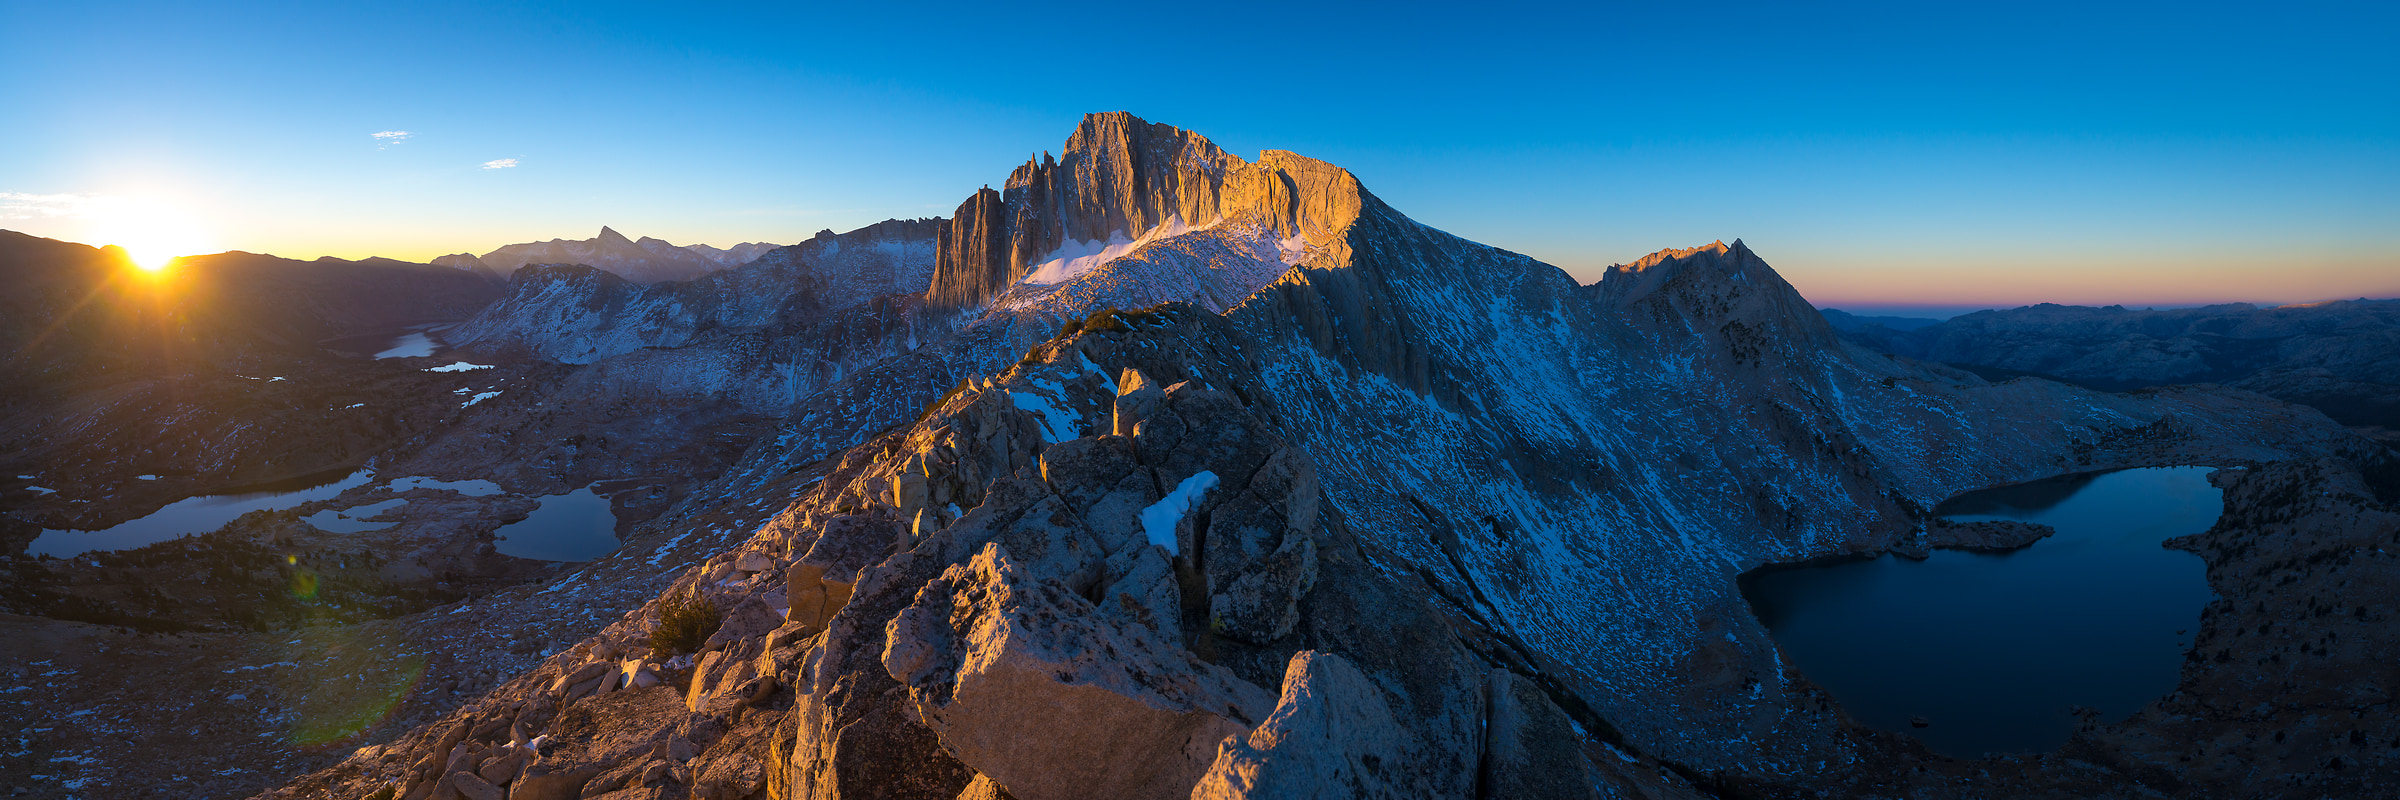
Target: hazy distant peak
647,260
734,256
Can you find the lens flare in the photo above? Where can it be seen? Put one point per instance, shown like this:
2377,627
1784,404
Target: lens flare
346,680
304,584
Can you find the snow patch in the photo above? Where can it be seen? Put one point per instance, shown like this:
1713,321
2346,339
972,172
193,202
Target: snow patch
478,398
1293,249
41,490
1095,369
1159,520
1078,257
666,548
1058,425
458,366
146,477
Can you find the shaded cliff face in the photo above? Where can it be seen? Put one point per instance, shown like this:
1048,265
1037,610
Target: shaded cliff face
1358,508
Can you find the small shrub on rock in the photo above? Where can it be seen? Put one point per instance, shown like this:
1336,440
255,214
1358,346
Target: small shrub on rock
685,622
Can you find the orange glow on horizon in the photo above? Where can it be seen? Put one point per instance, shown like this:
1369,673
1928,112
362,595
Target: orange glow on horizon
2156,279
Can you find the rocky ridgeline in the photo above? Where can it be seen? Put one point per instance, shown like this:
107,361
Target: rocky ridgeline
901,628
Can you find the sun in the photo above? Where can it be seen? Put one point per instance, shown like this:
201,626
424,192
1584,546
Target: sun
153,233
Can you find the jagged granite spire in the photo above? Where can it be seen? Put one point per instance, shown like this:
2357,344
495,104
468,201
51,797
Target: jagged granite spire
1122,176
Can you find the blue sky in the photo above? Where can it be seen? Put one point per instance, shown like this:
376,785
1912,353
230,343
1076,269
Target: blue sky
1922,154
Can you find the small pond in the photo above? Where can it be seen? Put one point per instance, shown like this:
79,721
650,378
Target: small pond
577,526
354,519
1993,649
193,515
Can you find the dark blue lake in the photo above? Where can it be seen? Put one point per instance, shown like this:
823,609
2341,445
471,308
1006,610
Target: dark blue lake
577,526
1993,649
195,515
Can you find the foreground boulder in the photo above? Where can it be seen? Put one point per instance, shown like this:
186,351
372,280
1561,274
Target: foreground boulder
1025,682
1331,736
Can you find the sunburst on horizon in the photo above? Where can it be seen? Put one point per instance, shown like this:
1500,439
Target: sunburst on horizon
153,233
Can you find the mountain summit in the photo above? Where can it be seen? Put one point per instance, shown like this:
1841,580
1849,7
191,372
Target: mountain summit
1123,182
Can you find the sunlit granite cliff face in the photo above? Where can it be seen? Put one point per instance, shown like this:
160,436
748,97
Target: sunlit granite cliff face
1352,507
1124,182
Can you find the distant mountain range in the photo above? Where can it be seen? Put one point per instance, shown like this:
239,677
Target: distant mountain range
646,260
1845,321
2342,357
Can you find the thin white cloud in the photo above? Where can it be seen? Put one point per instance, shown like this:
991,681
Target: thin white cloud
20,205
503,163
385,139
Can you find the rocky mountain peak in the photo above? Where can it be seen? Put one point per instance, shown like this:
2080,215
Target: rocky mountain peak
1719,286
611,236
1121,178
